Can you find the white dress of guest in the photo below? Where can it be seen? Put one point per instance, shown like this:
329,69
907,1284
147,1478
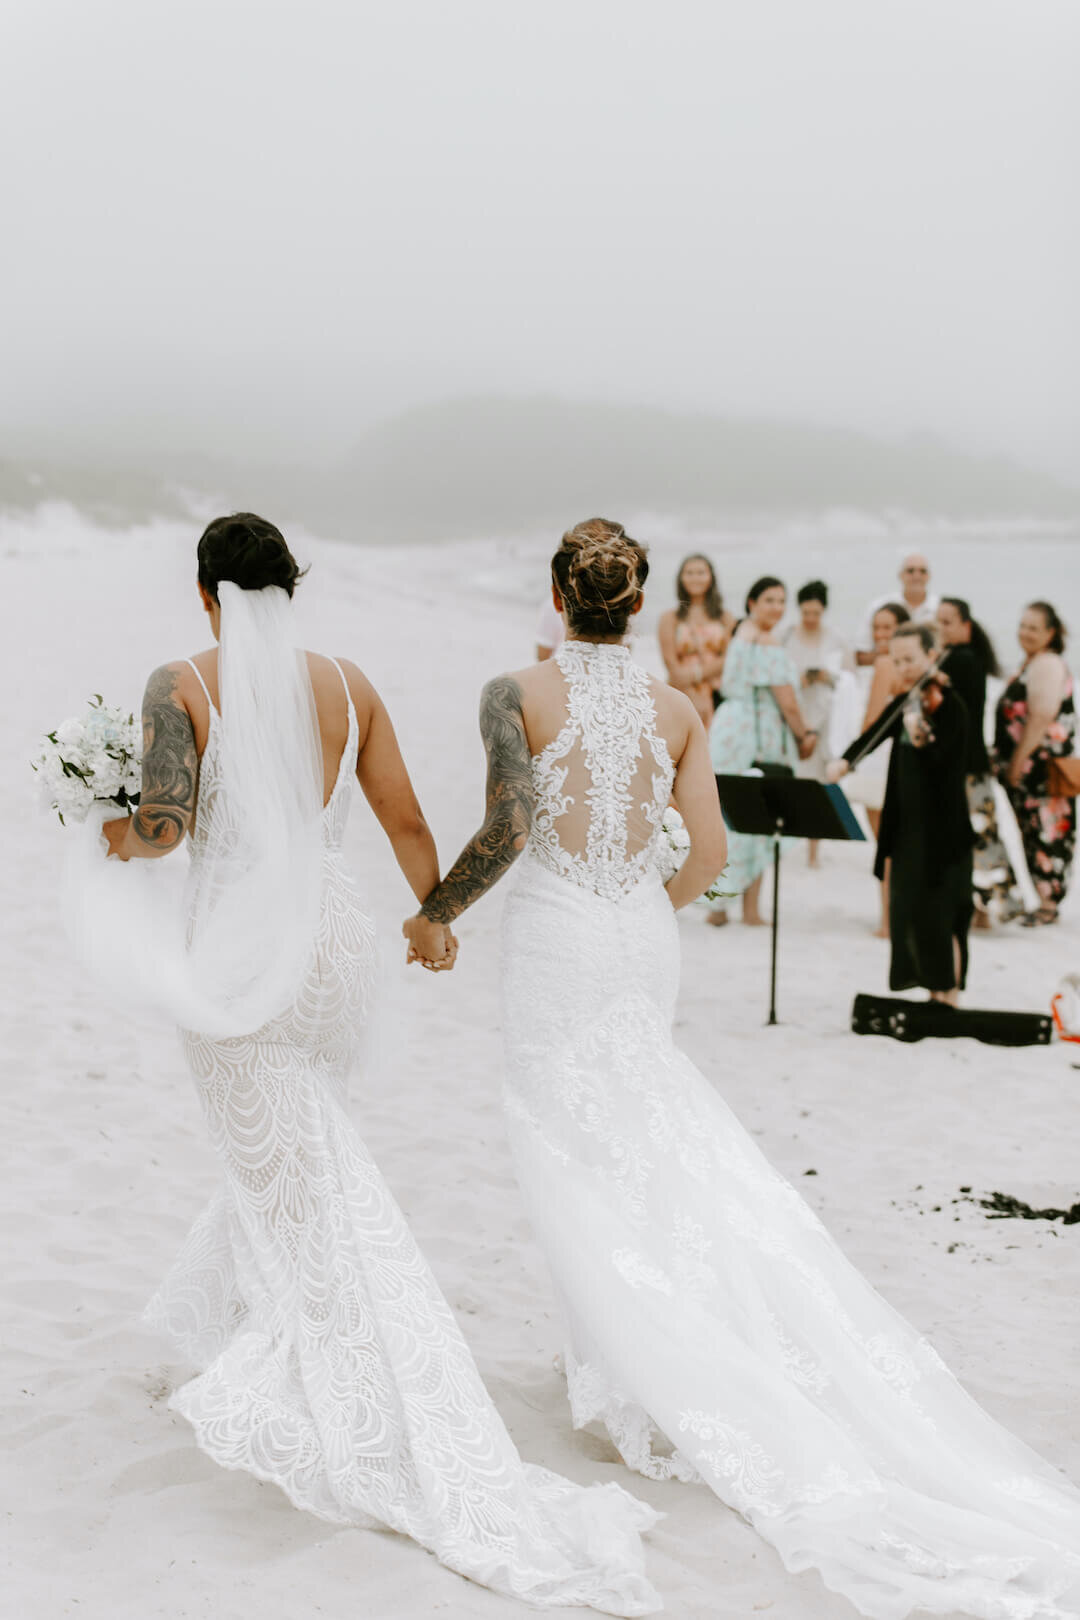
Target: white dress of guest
827,652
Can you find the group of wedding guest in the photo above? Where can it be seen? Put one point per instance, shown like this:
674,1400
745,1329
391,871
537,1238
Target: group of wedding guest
928,783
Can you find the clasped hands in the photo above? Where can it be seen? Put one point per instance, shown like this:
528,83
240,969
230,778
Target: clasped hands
431,944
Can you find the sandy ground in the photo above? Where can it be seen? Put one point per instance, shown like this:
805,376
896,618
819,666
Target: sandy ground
110,1511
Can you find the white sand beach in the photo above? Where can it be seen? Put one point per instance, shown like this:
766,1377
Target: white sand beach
110,1511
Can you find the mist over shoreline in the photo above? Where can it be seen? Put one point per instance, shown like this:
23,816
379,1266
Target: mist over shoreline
490,464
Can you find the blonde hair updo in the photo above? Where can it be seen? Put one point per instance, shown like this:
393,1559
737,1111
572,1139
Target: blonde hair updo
599,572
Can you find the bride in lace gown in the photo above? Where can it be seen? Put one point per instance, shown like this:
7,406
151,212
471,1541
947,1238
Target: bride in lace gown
712,1324
330,1363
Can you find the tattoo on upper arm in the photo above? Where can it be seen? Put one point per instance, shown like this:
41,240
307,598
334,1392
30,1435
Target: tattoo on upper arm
170,765
509,805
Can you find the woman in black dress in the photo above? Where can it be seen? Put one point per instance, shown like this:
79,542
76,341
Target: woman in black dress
925,831
969,661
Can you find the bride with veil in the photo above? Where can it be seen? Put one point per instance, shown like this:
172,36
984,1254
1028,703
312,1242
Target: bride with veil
711,1323
330,1364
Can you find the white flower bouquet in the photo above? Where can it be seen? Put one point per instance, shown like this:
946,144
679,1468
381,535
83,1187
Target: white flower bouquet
674,845
93,758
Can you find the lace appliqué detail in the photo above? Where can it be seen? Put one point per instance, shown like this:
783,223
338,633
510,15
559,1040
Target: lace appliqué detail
611,717
593,1399
332,1365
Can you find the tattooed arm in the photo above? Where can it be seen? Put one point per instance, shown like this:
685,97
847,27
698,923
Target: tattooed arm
170,769
502,836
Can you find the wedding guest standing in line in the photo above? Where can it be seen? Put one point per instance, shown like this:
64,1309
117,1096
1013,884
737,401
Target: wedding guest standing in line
970,661
694,636
915,596
819,657
760,721
1035,727
925,833
867,787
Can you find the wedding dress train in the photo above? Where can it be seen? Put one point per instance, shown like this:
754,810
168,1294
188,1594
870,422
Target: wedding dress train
703,1299
332,1365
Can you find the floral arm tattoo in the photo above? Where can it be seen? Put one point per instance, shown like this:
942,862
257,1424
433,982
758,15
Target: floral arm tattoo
170,766
499,842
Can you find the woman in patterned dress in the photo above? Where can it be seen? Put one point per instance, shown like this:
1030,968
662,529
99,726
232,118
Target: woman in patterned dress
694,636
759,721
1035,724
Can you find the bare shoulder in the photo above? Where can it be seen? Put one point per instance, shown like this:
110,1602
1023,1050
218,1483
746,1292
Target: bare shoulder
675,715
533,681
176,682
360,687
1047,676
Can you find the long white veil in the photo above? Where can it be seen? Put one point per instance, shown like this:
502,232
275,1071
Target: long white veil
227,949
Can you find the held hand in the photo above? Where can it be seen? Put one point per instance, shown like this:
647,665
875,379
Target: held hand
807,743
1014,774
431,944
835,769
115,835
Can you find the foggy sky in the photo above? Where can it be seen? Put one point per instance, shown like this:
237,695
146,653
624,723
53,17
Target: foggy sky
255,228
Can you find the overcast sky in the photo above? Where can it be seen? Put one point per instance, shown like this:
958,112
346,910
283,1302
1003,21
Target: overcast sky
257,227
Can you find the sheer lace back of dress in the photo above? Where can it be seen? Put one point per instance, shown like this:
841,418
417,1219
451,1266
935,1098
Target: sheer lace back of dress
603,784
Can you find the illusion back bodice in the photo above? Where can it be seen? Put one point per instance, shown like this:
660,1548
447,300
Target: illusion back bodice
602,785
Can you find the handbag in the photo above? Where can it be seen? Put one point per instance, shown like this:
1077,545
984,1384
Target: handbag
1063,777
767,767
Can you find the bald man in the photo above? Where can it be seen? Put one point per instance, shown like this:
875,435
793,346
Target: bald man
914,593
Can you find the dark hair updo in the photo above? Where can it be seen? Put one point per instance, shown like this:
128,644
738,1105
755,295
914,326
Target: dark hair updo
249,551
766,583
1052,622
814,591
599,572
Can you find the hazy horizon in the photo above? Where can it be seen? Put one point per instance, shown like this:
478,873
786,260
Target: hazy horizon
255,232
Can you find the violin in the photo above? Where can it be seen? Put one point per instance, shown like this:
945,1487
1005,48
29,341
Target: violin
926,695
931,689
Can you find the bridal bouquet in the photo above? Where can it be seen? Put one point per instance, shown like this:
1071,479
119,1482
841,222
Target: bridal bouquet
675,842
88,759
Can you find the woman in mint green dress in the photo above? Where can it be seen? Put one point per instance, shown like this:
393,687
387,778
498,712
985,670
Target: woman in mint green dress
759,719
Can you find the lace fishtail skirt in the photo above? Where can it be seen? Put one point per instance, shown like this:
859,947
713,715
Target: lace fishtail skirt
333,1366
707,1304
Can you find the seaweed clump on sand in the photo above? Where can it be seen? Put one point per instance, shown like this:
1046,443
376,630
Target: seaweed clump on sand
1003,1206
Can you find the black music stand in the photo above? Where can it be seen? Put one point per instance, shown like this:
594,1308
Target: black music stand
785,807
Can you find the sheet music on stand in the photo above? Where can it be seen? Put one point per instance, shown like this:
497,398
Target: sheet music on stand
780,807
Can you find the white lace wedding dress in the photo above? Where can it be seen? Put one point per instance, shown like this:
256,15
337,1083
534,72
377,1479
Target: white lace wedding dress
332,1365
704,1302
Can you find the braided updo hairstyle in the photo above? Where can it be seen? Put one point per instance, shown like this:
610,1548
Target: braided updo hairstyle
599,572
249,551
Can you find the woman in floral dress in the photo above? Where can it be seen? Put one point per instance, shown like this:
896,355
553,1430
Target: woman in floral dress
1034,725
694,636
759,720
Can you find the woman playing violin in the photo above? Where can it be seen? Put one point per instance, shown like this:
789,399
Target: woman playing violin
925,833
